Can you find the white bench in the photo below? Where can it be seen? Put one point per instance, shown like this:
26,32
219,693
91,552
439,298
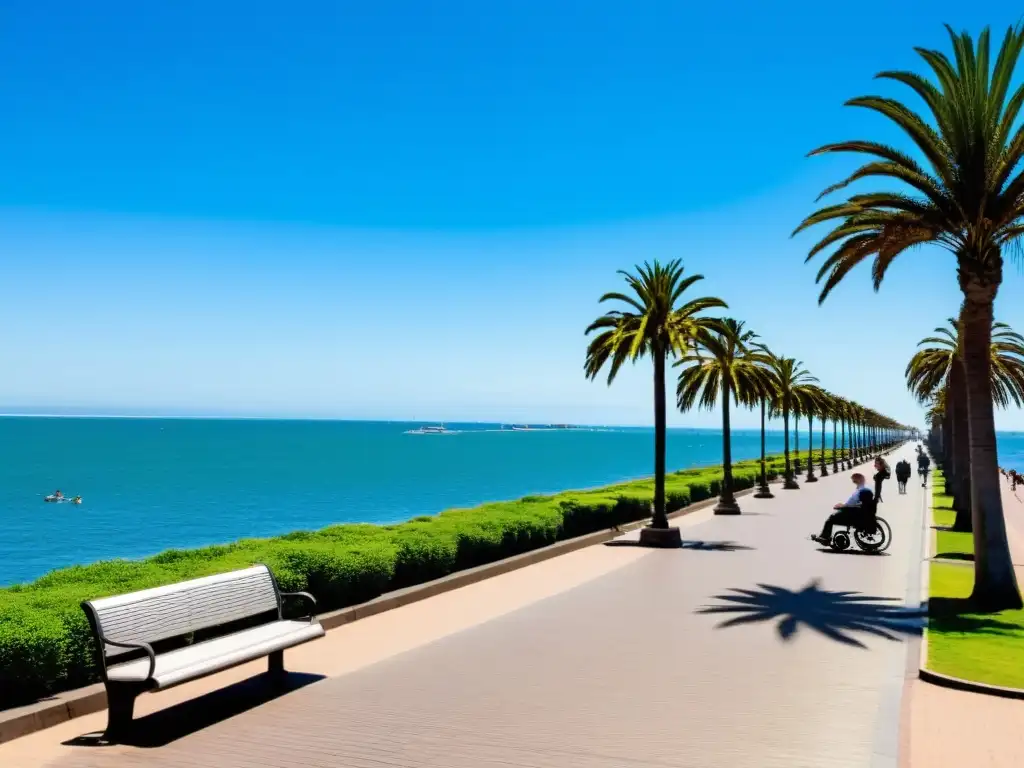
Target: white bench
126,628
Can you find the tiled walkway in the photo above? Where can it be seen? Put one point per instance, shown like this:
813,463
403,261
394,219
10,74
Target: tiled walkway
749,648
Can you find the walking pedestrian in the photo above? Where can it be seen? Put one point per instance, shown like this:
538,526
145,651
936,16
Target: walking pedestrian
882,473
923,463
902,475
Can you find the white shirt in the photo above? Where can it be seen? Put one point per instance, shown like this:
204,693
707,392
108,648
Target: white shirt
854,500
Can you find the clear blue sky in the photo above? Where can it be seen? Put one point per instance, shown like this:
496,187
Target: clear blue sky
409,210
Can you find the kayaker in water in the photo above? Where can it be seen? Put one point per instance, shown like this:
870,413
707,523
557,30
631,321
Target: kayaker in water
57,494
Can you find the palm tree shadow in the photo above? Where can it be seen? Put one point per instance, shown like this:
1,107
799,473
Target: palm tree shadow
961,614
836,615
700,546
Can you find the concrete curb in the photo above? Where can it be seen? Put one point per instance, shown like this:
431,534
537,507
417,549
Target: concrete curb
21,721
970,686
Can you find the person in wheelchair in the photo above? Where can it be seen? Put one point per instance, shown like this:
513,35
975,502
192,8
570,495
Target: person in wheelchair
853,512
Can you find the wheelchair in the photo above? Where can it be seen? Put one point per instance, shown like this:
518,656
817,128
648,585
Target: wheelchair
873,535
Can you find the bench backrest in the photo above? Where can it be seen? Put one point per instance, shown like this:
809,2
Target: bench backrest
164,612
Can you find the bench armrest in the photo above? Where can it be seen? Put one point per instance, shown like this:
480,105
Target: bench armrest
140,646
305,596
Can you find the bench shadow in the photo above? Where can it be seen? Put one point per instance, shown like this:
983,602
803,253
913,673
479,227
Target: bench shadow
839,616
188,717
700,546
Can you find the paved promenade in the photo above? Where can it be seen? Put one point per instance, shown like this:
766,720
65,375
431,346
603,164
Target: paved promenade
749,648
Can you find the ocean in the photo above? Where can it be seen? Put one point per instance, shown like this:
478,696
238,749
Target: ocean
153,484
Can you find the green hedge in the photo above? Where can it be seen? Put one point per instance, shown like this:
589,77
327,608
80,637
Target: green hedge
45,643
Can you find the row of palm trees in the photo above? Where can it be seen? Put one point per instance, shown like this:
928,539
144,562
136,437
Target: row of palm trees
722,363
935,376
957,184
728,365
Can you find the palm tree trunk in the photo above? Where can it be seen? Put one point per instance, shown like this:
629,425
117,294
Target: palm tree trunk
810,449
726,501
960,465
995,584
843,425
835,452
796,443
947,448
824,465
764,492
658,519
790,484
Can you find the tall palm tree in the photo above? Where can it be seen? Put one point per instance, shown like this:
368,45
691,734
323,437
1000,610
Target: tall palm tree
834,407
810,406
968,198
724,366
938,364
791,379
651,325
767,395
824,403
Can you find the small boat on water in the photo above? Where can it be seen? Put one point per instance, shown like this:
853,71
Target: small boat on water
441,430
54,498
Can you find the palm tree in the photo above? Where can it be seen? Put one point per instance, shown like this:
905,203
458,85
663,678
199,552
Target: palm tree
767,396
725,366
791,379
824,403
938,364
810,407
651,325
968,198
797,412
833,411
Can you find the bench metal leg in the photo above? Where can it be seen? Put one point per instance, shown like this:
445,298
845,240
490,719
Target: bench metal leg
120,710
275,663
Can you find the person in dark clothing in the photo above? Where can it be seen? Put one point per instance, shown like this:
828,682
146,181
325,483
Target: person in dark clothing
923,463
851,512
882,473
902,475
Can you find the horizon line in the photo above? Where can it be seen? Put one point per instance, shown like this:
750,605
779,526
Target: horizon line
193,417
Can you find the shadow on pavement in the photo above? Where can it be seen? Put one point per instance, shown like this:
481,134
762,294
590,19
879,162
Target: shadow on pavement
852,551
836,615
701,546
168,725
969,556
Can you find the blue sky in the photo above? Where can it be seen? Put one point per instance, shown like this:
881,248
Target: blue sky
408,210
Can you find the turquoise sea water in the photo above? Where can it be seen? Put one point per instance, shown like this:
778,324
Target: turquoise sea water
154,484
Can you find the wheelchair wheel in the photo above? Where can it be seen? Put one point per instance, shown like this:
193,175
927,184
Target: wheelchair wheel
875,538
841,541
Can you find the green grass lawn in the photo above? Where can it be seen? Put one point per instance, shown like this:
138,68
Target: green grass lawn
949,544
987,648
